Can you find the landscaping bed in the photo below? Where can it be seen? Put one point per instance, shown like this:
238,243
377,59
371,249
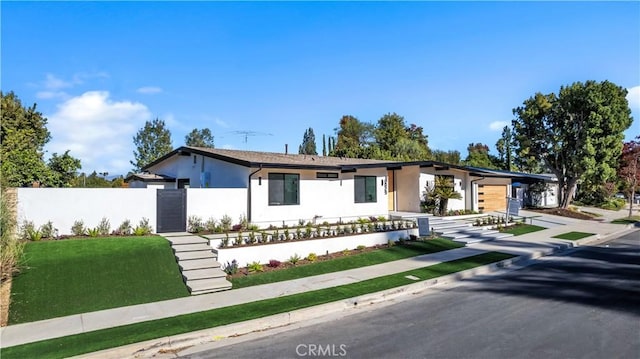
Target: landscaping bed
564,212
573,236
339,261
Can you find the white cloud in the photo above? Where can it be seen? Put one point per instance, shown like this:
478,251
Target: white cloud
149,90
498,125
633,96
221,123
52,82
97,130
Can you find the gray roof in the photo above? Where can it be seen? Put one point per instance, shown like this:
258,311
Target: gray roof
272,159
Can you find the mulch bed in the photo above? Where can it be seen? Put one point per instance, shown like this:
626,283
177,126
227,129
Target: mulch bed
563,212
242,272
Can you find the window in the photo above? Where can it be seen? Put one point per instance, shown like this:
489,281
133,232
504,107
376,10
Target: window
365,189
284,189
326,175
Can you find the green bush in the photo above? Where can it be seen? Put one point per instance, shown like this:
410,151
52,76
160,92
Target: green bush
78,228
254,267
104,227
194,224
295,258
93,232
124,229
47,230
225,223
613,204
26,229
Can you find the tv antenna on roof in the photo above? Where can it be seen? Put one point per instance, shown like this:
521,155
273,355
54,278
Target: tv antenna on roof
246,134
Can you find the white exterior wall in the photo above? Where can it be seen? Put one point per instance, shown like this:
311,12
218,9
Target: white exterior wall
459,182
408,190
223,174
64,206
283,251
329,198
217,202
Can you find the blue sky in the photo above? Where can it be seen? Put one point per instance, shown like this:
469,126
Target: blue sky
99,70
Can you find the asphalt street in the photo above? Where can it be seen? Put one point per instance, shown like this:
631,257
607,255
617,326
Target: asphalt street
583,304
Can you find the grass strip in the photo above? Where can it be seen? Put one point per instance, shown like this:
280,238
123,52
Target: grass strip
627,220
409,249
521,229
68,277
128,334
573,236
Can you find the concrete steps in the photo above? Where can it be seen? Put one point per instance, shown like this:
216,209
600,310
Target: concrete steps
198,263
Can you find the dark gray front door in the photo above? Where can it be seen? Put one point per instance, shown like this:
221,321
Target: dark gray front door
171,210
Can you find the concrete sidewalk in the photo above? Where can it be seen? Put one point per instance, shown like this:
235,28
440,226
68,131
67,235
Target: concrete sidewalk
531,245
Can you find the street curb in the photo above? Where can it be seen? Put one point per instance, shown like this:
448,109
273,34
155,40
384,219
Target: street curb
172,344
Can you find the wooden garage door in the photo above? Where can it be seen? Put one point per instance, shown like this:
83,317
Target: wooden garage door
492,198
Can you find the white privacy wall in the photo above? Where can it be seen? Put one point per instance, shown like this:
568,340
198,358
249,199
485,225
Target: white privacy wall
217,202
63,206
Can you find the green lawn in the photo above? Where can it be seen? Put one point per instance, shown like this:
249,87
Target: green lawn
113,337
573,236
83,275
410,249
627,220
520,229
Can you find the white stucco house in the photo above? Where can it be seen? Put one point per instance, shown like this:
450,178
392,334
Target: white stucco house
277,188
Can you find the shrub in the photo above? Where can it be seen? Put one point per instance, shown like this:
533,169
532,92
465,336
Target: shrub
124,229
295,258
143,228
25,229
312,257
93,232
238,239
346,252
224,242
194,224
254,267
382,218
307,232
252,238
253,227
78,228
210,225
34,235
286,234
11,248
298,233
391,243
275,236
231,268
48,231
104,227
243,222
225,223
301,222
360,247
273,263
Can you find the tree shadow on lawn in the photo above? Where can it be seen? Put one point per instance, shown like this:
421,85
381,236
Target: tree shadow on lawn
608,278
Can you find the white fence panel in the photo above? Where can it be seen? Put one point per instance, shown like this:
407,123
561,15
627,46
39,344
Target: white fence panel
217,202
64,206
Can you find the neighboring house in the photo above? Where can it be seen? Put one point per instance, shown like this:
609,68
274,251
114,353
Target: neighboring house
278,188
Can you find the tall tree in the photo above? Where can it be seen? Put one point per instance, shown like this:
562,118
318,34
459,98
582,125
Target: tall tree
308,146
479,156
505,149
23,135
354,138
63,169
451,157
629,170
577,134
396,141
324,145
152,142
199,138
